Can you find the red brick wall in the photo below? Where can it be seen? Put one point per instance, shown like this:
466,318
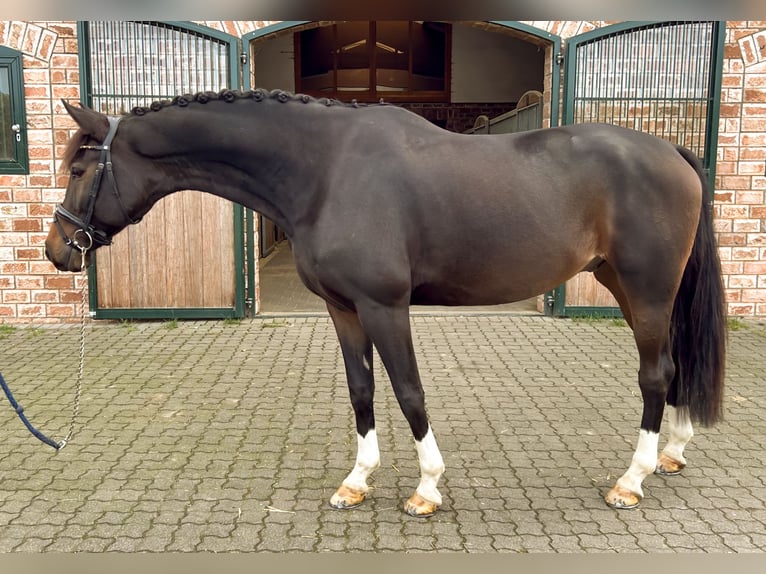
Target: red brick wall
30,288
741,168
32,291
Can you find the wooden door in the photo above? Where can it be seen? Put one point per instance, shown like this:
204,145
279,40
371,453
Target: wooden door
179,257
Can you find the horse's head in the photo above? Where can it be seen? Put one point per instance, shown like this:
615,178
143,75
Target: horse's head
94,207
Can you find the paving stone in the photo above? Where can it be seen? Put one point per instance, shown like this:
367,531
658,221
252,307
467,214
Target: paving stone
232,436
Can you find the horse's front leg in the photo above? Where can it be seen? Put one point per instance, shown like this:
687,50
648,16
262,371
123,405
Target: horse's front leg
357,356
389,328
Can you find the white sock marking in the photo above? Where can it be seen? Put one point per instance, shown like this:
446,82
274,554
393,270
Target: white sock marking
431,467
643,464
367,460
681,432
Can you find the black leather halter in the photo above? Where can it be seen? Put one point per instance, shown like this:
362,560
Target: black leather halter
85,228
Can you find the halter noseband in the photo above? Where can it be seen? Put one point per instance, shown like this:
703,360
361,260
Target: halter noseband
85,227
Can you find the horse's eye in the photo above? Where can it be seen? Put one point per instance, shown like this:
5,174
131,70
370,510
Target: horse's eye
76,171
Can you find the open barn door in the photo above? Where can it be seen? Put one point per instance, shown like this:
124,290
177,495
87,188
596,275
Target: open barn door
186,258
659,77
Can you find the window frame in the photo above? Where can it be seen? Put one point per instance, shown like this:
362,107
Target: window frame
11,60
373,95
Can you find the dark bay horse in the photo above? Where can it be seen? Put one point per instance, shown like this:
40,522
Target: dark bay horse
385,210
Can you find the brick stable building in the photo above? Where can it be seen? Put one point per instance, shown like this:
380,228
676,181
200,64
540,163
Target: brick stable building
61,60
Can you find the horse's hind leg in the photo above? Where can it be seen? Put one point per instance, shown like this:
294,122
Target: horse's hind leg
389,328
651,331
606,275
357,356
671,460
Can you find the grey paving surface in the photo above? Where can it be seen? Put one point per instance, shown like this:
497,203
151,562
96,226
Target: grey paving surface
220,437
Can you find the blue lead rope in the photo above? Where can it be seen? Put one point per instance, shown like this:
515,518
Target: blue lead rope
20,411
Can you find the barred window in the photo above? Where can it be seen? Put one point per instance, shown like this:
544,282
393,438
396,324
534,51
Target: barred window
135,63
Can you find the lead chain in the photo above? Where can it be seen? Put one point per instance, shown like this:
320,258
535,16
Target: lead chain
81,367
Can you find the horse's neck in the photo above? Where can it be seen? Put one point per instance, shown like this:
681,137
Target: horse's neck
255,157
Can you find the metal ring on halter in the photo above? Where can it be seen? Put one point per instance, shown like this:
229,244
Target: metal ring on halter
80,246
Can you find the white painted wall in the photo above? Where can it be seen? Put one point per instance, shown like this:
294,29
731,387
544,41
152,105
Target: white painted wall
492,67
274,64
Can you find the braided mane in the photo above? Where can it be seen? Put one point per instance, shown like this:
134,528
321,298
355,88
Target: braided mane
229,96
256,95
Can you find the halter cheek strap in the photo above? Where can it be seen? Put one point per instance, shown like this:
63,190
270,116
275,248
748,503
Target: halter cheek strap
86,229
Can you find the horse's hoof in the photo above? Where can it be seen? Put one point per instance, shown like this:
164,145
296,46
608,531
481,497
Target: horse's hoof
622,498
345,498
668,466
420,507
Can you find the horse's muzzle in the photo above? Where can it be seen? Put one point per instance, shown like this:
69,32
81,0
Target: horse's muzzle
63,256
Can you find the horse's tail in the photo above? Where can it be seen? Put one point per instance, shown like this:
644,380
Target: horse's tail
698,323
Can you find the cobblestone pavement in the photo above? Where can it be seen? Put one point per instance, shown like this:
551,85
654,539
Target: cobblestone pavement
231,436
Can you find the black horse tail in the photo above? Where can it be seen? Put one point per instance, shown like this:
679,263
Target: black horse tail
698,323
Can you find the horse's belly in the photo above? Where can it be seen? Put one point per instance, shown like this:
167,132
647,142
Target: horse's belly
477,294
493,284
452,300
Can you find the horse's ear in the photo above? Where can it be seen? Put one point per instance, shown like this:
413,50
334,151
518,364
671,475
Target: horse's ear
90,122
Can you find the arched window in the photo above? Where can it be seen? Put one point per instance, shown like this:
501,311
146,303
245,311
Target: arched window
399,60
14,157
